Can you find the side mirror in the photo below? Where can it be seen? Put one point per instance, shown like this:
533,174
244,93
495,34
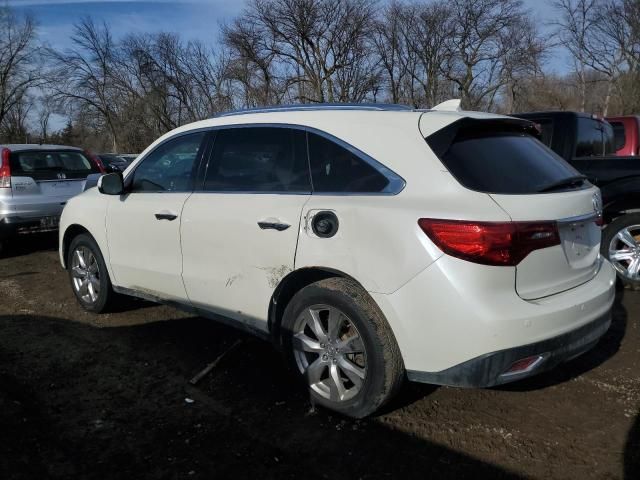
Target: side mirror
111,184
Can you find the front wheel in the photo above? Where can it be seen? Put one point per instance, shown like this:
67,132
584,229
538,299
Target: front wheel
621,246
88,275
342,347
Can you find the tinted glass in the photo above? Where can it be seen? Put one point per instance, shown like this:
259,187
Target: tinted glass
589,140
609,138
170,166
508,163
52,165
336,169
545,125
258,159
620,137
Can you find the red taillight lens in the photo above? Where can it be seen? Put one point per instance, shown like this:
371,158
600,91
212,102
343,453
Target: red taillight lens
490,243
95,159
5,168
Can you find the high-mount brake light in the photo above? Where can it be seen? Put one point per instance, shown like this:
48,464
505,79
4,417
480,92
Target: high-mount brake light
490,243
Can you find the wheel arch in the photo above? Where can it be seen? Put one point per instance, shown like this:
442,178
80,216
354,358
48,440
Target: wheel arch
292,284
70,233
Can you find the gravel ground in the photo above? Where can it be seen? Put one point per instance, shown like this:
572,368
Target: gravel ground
107,397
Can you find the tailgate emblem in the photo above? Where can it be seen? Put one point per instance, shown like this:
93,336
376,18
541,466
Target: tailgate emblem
61,176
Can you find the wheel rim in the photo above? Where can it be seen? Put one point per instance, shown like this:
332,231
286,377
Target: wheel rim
624,252
85,274
329,352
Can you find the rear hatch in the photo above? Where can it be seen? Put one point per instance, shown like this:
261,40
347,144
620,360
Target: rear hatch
501,158
46,176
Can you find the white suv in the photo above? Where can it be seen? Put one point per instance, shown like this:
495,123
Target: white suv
371,243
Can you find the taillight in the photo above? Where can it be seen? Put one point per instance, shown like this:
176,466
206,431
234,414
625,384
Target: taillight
5,168
490,243
95,159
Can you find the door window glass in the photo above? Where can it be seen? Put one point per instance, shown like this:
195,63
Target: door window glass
589,141
259,159
335,169
170,167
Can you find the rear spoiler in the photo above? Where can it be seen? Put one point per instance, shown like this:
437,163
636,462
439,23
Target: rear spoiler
441,140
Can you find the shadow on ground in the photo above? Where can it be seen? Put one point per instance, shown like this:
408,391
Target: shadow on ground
27,243
83,402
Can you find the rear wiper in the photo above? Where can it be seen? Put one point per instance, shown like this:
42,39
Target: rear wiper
576,181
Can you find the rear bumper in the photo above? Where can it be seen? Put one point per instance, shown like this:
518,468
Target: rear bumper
490,369
11,225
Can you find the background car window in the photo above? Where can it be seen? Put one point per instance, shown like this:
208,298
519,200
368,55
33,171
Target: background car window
620,136
43,165
545,125
594,139
170,166
336,169
259,160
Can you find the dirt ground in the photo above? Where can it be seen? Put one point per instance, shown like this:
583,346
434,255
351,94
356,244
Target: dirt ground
107,397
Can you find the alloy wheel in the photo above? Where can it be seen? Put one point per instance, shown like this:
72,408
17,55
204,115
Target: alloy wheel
624,252
329,352
85,274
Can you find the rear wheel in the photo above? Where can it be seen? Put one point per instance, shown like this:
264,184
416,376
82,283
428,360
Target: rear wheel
621,245
342,347
88,275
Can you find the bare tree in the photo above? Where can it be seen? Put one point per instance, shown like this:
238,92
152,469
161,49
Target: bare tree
85,73
308,44
19,61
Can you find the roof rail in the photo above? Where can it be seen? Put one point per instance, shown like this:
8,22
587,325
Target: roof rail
317,107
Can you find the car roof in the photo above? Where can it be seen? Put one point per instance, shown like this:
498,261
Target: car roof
321,116
21,147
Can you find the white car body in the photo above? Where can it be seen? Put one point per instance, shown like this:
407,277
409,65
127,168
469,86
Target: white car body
446,313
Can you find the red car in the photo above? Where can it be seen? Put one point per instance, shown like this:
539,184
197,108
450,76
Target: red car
627,134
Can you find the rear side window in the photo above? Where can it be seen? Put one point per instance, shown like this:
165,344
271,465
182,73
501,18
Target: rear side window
259,159
504,163
52,165
335,169
594,138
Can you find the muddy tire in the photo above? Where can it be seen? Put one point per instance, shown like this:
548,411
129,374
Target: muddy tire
88,275
340,344
621,246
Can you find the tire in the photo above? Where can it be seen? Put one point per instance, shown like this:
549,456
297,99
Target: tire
90,282
621,246
360,351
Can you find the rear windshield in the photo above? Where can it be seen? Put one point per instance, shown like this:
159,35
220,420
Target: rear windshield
507,163
620,136
51,165
594,138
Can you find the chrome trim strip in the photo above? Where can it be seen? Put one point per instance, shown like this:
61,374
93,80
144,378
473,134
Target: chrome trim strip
588,217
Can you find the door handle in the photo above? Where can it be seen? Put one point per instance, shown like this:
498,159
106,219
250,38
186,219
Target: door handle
166,215
273,225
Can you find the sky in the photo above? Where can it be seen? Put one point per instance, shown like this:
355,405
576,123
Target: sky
191,18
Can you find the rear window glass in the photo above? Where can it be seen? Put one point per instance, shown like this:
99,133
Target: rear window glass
594,138
52,165
505,163
620,136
